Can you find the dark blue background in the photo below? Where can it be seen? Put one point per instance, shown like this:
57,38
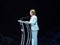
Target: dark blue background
12,10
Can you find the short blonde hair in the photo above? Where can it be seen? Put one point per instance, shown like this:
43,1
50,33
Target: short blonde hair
33,11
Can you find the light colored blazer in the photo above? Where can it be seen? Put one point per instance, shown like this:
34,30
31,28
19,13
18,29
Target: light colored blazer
33,22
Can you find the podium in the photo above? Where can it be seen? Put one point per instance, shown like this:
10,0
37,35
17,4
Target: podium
23,42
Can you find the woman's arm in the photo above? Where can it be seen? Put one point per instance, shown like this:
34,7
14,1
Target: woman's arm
27,22
32,21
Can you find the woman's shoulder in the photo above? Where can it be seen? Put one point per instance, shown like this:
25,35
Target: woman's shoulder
34,17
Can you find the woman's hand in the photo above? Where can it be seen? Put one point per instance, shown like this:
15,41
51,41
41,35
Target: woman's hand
19,20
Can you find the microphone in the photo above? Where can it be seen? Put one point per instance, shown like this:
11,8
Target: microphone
24,17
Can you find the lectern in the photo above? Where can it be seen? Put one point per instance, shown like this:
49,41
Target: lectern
23,42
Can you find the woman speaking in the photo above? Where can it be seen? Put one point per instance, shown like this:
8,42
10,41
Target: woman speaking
34,26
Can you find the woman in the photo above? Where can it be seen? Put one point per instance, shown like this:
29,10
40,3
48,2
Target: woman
34,26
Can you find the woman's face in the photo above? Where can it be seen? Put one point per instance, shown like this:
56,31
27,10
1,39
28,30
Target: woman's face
31,13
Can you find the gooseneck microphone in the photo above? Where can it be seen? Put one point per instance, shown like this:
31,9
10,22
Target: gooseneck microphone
24,17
